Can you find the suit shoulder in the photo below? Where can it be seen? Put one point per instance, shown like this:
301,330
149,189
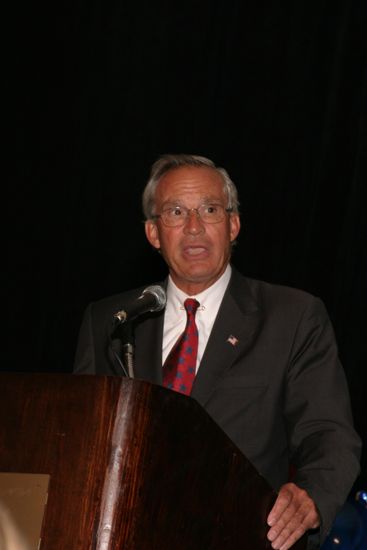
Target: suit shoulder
279,303
283,292
270,295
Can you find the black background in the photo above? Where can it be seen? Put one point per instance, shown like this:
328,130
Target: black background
273,91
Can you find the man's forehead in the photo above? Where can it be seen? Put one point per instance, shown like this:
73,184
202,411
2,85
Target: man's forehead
191,179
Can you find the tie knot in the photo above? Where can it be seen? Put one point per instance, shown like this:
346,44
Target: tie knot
191,306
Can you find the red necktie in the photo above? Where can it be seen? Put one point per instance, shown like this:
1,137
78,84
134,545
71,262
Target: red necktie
180,365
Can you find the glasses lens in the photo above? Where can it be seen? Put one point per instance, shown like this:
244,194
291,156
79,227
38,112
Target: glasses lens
174,217
211,213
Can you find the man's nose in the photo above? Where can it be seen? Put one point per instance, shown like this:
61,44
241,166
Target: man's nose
194,223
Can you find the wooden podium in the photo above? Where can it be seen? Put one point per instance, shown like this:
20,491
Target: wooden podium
132,465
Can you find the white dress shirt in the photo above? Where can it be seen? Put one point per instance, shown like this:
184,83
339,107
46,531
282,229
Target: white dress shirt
175,313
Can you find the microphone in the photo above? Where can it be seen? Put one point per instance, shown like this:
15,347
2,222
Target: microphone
153,298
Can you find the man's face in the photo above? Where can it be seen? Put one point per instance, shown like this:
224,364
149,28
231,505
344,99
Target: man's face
196,253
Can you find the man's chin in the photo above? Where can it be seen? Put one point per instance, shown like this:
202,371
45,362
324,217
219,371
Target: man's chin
196,279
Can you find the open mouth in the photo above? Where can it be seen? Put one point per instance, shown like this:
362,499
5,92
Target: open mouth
195,250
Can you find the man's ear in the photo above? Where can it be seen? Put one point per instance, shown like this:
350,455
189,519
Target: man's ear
151,232
234,226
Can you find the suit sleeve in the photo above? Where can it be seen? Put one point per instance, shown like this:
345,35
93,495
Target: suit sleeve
324,447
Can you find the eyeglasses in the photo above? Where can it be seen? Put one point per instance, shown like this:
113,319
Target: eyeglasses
177,216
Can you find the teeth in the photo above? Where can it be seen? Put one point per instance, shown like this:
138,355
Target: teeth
195,251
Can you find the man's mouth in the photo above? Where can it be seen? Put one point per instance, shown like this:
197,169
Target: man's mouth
195,250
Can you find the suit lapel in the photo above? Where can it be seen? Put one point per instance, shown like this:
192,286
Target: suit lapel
148,348
233,333
148,345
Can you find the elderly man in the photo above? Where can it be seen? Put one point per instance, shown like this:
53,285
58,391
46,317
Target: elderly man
260,358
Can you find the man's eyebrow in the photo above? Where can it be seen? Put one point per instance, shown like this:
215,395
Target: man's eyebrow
172,203
203,200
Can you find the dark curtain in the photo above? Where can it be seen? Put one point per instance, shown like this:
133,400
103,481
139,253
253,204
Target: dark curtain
273,91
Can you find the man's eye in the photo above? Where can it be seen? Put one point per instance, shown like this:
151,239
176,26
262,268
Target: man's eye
211,209
176,212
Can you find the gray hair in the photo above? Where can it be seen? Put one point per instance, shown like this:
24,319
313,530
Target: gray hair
165,163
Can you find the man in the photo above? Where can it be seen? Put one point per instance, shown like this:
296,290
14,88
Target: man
267,369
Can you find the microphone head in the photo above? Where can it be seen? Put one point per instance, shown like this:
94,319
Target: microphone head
153,298
159,294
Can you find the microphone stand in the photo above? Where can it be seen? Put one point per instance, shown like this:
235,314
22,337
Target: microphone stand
128,348
122,345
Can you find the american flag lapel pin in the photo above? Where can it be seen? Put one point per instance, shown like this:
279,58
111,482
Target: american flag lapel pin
232,340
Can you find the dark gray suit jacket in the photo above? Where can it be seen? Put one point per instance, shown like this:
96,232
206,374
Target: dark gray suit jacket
277,390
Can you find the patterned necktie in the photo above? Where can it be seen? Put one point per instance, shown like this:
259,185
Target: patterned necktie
180,365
